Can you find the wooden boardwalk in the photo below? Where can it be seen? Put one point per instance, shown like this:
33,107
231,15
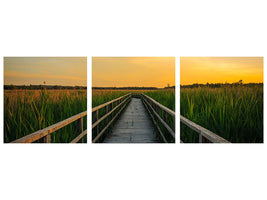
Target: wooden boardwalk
133,126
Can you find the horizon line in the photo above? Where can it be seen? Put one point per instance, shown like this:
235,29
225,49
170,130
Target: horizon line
222,83
46,85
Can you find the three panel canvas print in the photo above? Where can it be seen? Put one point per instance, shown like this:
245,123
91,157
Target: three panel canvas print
133,100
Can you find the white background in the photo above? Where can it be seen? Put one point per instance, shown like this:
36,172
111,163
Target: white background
132,28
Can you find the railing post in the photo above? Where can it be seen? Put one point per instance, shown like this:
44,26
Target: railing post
47,139
106,111
164,115
200,138
112,112
96,118
80,126
156,109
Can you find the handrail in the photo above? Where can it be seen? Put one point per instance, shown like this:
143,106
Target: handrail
107,114
108,103
110,110
45,133
153,107
172,113
203,133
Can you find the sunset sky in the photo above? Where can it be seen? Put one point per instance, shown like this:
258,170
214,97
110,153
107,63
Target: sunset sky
133,71
65,71
221,69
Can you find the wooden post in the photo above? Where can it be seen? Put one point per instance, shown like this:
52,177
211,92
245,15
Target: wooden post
174,123
80,126
200,138
96,118
164,116
112,112
47,139
106,111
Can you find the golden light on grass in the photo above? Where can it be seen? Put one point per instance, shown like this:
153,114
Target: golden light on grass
133,71
221,69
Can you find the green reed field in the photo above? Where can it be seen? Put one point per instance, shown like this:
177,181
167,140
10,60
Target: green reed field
102,96
26,111
234,113
165,97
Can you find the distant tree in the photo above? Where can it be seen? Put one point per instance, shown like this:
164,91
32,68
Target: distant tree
12,87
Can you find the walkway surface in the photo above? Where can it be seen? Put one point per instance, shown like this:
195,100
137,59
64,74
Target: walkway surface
133,126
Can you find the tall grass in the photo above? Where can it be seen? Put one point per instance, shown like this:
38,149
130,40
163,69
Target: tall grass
26,111
164,97
234,113
102,96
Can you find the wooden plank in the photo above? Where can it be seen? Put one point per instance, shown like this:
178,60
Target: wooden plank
105,104
134,126
77,139
48,130
212,137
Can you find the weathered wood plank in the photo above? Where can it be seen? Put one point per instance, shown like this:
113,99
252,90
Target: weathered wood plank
212,137
134,126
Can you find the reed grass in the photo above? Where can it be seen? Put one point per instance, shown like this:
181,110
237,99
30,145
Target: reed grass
234,113
164,97
102,96
26,111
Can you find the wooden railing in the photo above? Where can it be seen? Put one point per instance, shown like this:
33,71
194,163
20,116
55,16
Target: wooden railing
45,133
104,115
162,117
205,136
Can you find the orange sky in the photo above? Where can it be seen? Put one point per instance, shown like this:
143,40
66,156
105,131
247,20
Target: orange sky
66,71
133,71
221,69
